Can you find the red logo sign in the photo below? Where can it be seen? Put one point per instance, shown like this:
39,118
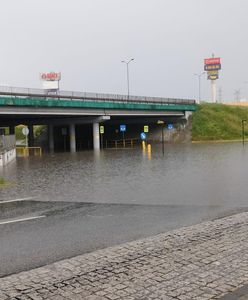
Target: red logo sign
52,76
212,61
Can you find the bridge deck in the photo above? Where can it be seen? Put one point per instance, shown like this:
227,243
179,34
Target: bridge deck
41,93
12,96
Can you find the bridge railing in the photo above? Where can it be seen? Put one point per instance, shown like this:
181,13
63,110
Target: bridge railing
86,96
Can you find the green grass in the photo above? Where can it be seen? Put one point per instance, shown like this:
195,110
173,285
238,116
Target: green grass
2,181
218,122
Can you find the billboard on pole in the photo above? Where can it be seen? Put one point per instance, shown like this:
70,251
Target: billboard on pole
50,81
212,66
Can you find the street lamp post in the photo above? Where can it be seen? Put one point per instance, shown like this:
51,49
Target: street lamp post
160,122
243,131
127,64
199,84
246,83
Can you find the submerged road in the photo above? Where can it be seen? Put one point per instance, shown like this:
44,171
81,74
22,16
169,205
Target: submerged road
35,233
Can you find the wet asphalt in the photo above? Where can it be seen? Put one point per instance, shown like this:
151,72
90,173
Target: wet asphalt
43,232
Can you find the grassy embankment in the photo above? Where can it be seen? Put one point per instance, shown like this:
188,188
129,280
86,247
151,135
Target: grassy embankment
219,122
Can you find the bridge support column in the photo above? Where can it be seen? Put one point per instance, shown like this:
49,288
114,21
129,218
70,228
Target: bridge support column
31,136
11,130
72,138
51,138
96,136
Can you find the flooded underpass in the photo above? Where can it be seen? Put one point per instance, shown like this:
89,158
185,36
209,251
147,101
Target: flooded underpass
62,205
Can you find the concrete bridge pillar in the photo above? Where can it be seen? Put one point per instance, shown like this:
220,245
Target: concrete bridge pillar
11,130
96,136
31,136
72,138
51,138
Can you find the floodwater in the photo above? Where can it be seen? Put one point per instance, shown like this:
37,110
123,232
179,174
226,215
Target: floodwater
197,174
90,200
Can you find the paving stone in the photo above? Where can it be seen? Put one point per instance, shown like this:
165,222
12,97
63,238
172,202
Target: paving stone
203,261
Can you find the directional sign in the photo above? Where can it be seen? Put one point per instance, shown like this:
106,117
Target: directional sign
123,128
146,128
25,131
102,129
170,126
143,136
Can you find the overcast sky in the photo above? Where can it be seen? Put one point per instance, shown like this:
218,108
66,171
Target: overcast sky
87,39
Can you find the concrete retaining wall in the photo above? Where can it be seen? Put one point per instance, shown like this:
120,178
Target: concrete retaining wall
7,156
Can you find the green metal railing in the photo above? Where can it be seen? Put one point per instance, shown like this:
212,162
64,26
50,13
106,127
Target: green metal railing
13,96
36,102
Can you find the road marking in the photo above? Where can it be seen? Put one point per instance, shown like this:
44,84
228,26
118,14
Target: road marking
16,200
21,220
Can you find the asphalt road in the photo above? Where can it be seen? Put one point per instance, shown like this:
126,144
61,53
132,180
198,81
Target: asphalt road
35,233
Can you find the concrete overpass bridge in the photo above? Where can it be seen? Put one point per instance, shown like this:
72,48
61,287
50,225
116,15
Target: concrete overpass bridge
70,110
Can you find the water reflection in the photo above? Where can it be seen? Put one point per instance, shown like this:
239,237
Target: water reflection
186,175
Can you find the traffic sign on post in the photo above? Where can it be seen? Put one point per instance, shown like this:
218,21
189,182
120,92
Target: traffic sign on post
143,136
170,126
146,128
25,131
101,129
123,128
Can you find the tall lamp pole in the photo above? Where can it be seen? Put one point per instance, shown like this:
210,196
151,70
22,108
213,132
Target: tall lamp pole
160,122
127,64
246,83
199,84
243,131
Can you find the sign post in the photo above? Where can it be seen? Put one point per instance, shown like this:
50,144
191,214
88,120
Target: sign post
161,122
123,129
25,132
101,135
143,136
212,66
64,133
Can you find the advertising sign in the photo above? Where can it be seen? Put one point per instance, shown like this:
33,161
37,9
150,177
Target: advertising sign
212,61
50,85
212,67
51,76
213,77
215,72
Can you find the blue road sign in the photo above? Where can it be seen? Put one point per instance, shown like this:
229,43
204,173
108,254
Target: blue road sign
123,128
170,126
143,136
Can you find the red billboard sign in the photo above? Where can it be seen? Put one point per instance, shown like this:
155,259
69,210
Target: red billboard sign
212,61
52,76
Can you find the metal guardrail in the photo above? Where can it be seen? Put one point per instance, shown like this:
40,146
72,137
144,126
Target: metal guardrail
83,96
28,151
124,143
7,142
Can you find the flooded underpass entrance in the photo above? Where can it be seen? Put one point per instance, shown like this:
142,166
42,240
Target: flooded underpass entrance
62,205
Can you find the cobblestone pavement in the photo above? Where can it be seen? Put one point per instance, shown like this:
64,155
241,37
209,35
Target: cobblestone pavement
204,261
